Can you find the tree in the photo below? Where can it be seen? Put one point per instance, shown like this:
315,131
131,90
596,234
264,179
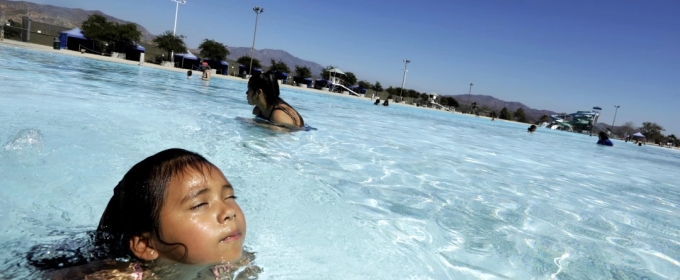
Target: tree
126,35
652,131
279,66
543,119
505,114
519,115
170,43
110,35
452,101
364,84
245,61
303,71
349,79
213,50
98,29
672,139
626,128
377,87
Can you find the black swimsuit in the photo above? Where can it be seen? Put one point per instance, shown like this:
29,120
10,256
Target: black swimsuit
285,110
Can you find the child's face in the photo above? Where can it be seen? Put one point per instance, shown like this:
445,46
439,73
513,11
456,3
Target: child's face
200,211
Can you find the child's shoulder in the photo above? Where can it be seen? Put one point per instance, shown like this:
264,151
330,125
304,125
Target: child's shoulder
105,269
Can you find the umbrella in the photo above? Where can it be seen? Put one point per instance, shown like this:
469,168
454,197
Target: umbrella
638,134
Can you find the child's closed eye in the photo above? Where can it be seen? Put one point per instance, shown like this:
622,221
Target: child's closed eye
197,206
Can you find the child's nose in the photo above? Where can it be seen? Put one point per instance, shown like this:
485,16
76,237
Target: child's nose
227,212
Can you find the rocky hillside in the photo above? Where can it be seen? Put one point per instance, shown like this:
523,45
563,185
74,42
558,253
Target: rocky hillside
266,55
496,104
59,16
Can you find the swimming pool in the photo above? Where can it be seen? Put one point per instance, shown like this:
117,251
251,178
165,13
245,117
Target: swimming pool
375,193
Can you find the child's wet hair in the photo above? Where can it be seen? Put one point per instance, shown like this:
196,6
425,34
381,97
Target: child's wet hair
136,204
268,84
603,135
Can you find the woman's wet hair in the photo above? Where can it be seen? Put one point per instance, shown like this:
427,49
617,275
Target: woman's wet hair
532,128
268,84
603,135
133,210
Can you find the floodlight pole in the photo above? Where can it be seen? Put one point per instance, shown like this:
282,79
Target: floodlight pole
174,29
469,93
613,121
403,78
257,11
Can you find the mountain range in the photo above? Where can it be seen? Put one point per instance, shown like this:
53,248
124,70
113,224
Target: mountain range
59,16
71,18
497,105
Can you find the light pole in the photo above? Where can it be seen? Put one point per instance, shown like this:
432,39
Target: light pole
469,92
403,79
174,29
613,121
257,11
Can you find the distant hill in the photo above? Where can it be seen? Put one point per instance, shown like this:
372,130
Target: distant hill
496,104
71,18
65,17
266,55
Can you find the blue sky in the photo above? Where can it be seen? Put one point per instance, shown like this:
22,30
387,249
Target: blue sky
558,55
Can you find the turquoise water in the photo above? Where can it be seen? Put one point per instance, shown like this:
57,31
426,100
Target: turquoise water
375,193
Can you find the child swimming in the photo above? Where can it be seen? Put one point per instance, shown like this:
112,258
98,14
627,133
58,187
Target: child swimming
174,207
604,139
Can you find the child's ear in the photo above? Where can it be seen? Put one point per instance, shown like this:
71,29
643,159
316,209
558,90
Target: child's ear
141,247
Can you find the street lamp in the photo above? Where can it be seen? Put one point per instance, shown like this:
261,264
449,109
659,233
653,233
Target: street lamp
403,79
257,11
615,111
174,29
469,92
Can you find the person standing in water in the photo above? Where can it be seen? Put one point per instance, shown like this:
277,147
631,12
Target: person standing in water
263,92
206,74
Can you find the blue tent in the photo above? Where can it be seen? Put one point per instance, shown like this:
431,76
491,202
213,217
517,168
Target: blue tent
140,48
223,66
186,56
74,33
282,76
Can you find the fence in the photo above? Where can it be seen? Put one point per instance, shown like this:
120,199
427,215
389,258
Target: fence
32,31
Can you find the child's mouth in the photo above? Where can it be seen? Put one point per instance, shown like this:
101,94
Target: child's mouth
232,236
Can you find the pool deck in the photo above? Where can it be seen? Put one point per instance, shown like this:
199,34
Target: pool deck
19,44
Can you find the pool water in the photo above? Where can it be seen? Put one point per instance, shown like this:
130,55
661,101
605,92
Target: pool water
375,193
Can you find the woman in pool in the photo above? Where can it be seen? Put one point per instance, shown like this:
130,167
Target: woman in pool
263,92
531,129
206,74
604,139
172,208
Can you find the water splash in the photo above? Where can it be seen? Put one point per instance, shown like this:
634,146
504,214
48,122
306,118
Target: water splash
25,139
